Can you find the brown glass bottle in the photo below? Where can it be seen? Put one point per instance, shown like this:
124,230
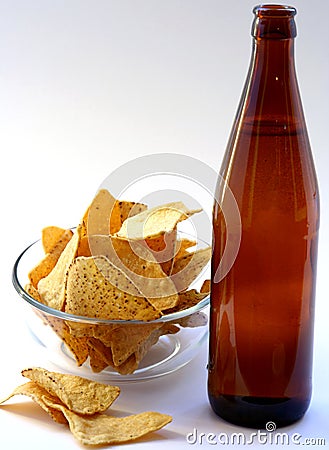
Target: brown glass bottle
262,311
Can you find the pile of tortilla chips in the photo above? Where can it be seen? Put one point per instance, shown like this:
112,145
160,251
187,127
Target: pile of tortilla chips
124,262
81,403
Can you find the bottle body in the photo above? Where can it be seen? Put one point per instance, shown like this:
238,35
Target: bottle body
262,311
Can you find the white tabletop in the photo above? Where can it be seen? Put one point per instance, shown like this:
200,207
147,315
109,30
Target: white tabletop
84,88
182,394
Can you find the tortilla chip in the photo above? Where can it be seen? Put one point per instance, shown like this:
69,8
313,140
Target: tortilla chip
42,269
102,429
206,287
186,300
89,293
100,357
33,292
121,211
163,248
182,247
78,329
46,265
52,287
78,394
77,345
125,347
125,340
50,236
152,339
103,332
129,366
105,215
140,266
142,348
99,213
187,268
39,395
84,223
83,248
155,221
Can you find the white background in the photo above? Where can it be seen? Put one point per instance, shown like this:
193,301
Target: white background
86,86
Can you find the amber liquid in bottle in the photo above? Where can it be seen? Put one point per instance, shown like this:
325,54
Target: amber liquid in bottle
262,311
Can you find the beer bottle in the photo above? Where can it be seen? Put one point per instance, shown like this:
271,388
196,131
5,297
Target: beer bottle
262,310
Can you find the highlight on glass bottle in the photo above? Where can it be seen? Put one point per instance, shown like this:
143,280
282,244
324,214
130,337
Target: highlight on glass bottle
262,311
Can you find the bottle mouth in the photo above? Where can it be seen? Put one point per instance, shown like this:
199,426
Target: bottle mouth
268,10
274,22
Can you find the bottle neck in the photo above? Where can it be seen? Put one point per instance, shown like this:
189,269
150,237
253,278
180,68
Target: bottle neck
273,60
271,89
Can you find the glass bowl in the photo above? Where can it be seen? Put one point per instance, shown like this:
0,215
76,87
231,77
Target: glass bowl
78,344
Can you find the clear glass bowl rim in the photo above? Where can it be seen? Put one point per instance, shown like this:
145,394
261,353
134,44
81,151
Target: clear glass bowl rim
91,320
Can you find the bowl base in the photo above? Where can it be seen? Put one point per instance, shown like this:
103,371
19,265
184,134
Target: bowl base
170,353
151,365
